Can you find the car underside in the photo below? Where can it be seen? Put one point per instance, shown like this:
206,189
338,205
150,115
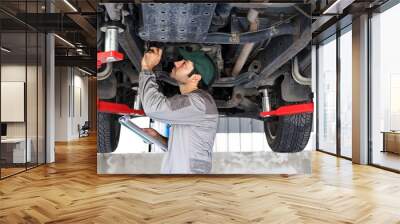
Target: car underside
262,53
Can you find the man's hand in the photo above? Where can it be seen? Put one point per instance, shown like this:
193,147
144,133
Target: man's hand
151,58
151,132
155,134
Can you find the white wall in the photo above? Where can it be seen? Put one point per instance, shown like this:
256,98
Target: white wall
80,100
33,126
14,73
12,101
71,103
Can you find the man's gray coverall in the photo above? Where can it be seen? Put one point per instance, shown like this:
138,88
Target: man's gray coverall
193,118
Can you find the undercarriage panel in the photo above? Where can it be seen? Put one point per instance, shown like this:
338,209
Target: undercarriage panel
178,22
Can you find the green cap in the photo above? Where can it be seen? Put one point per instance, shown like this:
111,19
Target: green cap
202,64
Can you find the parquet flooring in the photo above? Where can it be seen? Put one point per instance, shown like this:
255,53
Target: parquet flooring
70,191
10,171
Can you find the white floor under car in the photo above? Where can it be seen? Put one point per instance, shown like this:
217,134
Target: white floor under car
233,135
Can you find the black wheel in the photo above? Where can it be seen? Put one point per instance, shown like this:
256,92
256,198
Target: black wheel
108,129
288,133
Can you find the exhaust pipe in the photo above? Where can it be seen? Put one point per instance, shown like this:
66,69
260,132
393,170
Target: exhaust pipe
252,16
297,76
111,44
106,72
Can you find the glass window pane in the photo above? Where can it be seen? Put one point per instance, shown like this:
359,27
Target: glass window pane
346,93
23,86
31,97
14,153
41,98
32,83
327,96
385,88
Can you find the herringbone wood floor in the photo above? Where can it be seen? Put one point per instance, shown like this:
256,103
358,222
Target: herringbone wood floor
70,191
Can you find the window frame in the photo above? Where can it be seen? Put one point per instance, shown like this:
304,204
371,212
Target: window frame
338,33
381,9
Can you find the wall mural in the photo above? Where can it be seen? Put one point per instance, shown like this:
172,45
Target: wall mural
204,88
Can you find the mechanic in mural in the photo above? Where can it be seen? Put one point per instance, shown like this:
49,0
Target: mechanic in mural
193,114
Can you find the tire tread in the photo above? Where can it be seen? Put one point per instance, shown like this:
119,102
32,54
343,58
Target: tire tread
292,134
107,131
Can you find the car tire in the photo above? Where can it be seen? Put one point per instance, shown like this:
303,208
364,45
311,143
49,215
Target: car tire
108,129
288,134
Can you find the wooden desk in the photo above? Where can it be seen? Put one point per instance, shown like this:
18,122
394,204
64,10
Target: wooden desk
391,141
